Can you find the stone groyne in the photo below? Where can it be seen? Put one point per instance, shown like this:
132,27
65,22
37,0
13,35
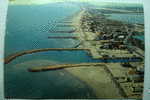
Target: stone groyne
71,31
105,59
67,37
14,56
62,66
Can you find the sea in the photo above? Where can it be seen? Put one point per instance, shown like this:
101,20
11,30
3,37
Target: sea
28,27
135,18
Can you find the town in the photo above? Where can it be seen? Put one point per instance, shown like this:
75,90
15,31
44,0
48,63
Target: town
111,39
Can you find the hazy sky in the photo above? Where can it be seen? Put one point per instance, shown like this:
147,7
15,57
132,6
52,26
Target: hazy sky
49,1
130,1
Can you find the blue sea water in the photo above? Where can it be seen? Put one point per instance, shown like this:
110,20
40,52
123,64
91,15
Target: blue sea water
135,18
28,28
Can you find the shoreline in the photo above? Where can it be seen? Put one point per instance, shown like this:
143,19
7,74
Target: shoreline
87,40
96,77
119,71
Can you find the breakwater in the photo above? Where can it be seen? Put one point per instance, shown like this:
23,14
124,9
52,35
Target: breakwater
67,25
102,59
65,22
62,66
67,37
14,56
71,31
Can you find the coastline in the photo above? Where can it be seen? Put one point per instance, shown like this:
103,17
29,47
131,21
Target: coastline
98,78
91,75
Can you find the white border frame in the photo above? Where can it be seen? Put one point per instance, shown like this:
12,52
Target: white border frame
3,13
146,95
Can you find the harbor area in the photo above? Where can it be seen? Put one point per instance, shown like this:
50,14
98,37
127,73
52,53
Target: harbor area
87,51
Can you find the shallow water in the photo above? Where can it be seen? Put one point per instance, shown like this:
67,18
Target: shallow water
128,18
51,84
28,28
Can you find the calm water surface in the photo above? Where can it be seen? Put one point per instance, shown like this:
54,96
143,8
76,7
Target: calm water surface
129,18
28,28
